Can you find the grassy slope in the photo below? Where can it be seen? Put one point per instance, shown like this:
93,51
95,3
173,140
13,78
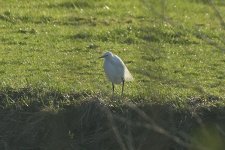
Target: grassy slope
48,61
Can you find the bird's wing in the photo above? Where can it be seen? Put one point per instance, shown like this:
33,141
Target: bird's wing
118,62
125,73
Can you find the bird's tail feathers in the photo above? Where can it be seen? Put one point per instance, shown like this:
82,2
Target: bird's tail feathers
128,76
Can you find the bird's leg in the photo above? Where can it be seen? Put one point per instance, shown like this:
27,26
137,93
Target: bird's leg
122,86
113,88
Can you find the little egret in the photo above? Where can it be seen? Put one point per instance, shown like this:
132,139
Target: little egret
115,70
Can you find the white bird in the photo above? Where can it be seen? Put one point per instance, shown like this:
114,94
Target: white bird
115,70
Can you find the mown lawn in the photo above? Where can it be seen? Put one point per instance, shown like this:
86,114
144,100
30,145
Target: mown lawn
49,53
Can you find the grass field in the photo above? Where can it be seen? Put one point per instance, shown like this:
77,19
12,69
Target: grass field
50,72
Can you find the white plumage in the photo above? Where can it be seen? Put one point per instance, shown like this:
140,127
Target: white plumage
115,69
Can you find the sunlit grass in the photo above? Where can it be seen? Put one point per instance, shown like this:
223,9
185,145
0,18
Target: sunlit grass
173,48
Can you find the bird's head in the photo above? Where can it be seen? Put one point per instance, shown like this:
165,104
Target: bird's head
107,55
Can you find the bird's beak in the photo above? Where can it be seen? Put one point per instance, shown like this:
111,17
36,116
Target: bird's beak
101,56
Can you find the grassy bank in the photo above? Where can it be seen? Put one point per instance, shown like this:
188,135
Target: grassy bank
37,120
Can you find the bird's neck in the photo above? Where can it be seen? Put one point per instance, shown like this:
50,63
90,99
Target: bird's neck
109,59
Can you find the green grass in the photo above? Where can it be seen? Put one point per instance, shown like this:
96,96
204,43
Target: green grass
49,55
173,48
